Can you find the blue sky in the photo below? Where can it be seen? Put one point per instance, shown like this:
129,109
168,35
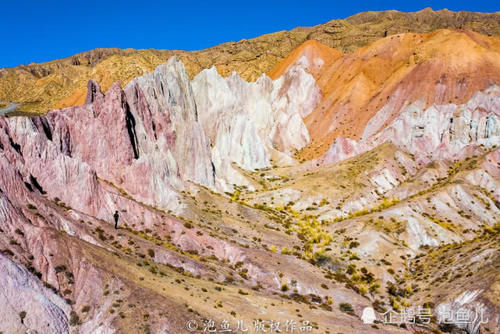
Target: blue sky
38,31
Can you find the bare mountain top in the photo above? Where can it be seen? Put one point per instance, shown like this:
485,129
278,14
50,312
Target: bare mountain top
62,83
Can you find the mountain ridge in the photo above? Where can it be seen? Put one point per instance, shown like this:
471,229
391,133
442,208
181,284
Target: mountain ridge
62,83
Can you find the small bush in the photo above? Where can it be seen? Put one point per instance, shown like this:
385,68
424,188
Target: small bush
60,268
74,319
31,206
353,244
346,307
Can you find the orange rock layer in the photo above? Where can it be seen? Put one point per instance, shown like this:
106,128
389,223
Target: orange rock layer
440,67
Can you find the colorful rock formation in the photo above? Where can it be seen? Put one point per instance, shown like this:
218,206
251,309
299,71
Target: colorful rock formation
397,204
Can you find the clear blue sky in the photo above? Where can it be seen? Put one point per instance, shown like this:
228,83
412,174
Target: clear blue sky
38,31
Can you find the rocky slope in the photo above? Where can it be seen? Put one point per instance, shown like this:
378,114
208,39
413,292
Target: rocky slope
144,151
219,220
62,83
254,125
364,92
435,133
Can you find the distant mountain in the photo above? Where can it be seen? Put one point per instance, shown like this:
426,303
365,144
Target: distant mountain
62,83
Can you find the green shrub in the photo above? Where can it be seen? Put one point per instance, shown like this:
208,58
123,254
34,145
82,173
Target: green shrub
353,244
74,319
346,307
31,206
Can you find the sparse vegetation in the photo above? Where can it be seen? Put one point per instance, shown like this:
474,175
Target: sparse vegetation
346,307
74,319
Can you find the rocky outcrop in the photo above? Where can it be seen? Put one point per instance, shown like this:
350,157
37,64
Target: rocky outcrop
438,132
151,141
158,131
343,148
445,131
145,139
167,126
254,124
